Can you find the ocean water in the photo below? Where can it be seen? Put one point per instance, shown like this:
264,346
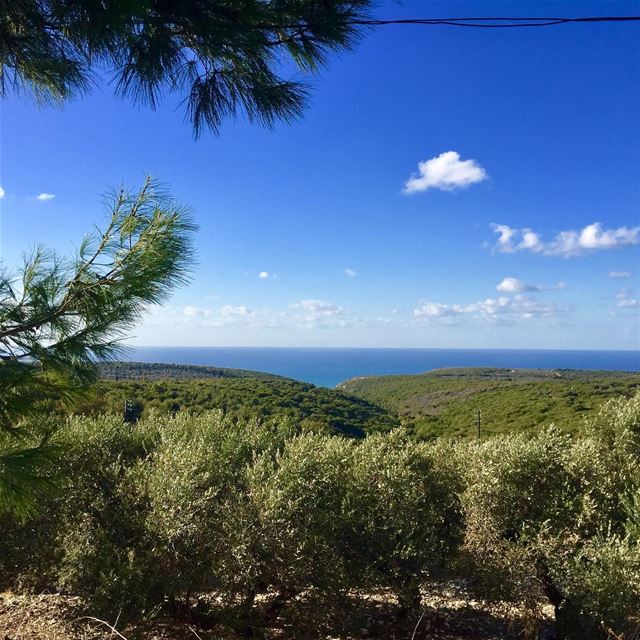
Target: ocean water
328,367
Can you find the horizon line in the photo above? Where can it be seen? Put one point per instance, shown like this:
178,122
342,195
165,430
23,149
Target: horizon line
152,346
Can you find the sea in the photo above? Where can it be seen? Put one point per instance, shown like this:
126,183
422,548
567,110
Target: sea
328,367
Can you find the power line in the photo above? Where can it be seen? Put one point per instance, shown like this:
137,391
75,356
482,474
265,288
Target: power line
495,23
477,23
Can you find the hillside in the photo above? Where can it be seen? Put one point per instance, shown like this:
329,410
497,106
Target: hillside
161,371
445,401
239,393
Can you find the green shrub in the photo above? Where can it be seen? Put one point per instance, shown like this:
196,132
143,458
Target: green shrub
518,493
278,523
555,519
100,516
404,514
294,548
195,484
618,423
602,587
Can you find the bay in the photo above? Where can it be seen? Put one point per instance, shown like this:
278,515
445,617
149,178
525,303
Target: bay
329,366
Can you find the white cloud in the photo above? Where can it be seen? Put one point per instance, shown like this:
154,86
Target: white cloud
45,196
309,313
433,310
2,193
505,237
531,241
350,272
619,275
320,314
321,307
627,301
193,316
594,236
232,311
205,317
195,312
515,307
514,285
263,275
446,172
567,244
305,315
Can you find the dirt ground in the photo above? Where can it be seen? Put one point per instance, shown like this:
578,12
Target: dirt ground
448,613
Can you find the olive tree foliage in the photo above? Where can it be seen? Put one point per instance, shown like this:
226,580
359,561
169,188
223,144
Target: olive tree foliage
196,487
296,543
555,519
220,56
405,514
59,316
274,521
287,528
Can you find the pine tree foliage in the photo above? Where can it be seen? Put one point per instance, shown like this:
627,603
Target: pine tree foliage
221,56
58,317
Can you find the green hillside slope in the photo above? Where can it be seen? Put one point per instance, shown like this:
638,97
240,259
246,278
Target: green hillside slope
239,393
445,401
161,371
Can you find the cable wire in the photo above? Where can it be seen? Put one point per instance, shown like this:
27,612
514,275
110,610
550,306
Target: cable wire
478,23
496,23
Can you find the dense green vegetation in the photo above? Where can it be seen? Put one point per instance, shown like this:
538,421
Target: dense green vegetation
228,500
219,521
446,401
242,395
117,370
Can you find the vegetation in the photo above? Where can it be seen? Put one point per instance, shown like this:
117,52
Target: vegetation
222,497
242,395
57,317
142,371
223,57
218,522
446,401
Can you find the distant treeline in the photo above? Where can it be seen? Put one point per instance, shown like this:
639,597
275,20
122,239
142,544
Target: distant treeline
160,371
241,395
444,402
447,401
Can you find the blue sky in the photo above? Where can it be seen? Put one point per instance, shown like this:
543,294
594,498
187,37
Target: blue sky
445,188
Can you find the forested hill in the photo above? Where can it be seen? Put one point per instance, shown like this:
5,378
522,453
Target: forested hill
446,401
440,402
239,393
161,371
